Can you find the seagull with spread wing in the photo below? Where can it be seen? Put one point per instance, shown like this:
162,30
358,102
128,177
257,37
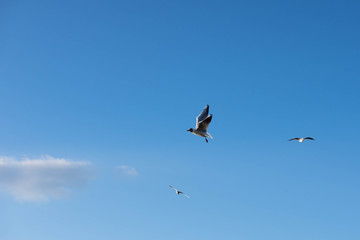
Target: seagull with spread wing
178,192
301,139
202,124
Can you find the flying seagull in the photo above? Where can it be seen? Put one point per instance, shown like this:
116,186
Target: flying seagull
202,124
178,192
301,139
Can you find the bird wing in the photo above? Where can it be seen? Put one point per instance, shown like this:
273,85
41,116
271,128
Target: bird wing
202,116
173,187
185,195
293,139
204,124
310,138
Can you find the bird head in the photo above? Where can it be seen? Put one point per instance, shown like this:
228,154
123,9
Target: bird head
190,130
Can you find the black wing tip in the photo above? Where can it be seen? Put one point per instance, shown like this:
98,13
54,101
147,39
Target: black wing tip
207,109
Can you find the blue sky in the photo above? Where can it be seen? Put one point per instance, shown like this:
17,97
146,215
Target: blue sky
96,97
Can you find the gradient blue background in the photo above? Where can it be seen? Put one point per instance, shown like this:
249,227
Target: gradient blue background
119,82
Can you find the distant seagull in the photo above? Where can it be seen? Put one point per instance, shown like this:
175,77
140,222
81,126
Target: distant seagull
178,192
301,139
202,124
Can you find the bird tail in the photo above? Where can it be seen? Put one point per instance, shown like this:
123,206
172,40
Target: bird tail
208,135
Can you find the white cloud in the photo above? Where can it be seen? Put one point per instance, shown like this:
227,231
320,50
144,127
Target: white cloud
126,170
43,178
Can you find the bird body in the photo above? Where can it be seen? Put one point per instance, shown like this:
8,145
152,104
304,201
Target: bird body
301,139
201,133
178,192
202,124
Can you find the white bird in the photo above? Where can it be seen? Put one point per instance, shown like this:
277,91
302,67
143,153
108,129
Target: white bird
202,124
301,139
178,192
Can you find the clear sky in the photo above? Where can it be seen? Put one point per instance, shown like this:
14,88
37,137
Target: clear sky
96,97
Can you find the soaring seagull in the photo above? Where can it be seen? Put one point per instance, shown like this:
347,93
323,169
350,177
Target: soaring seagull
202,124
178,192
301,139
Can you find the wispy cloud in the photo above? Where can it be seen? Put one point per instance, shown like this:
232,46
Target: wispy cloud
127,170
42,178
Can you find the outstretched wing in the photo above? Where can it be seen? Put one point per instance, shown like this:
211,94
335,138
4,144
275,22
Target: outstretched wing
293,139
186,195
173,187
310,138
203,125
202,116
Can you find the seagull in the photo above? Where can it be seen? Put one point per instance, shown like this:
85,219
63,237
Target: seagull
301,139
202,124
178,192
